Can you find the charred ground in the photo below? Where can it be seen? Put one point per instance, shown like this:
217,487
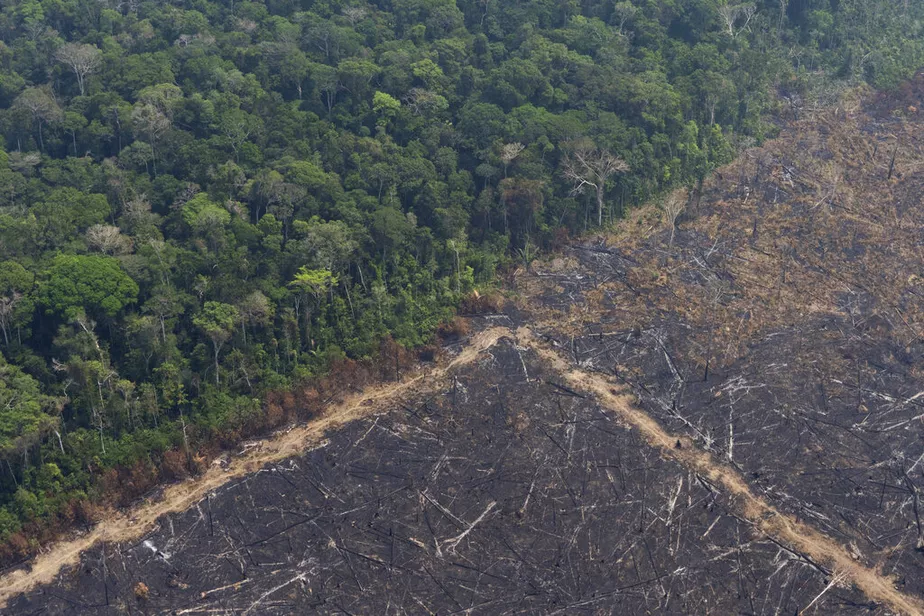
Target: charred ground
782,328
778,330
503,493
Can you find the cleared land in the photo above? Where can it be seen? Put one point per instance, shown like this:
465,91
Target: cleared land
502,493
782,328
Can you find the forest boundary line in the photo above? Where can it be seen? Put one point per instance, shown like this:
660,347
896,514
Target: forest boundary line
801,537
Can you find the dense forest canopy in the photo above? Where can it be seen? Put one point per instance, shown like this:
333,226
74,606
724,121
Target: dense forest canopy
204,201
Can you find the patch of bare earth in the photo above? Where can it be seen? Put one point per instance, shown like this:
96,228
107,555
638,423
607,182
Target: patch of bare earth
779,325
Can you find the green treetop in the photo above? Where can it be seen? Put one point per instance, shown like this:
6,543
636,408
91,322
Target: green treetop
93,283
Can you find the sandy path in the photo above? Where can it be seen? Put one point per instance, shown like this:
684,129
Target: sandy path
137,521
767,519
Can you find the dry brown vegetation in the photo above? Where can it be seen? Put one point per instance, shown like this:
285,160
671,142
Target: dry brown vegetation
123,487
803,225
522,485
477,303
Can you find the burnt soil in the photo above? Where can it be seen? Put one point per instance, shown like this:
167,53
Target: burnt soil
574,514
782,328
779,332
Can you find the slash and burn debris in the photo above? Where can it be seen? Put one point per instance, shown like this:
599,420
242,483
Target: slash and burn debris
454,503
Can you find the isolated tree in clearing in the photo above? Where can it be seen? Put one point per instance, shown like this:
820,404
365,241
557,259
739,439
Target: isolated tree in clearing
673,207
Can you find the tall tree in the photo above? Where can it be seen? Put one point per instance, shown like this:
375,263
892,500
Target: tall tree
310,284
81,58
92,283
590,167
27,414
255,309
217,321
733,15
15,283
42,107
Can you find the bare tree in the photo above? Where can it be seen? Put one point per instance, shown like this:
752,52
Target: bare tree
247,25
509,152
151,120
24,162
127,7
108,239
38,29
83,59
784,4
587,166
254,310
42,106
7,308
354,14
487,5
732,13
421,101
237,125
673,206
623,12
137,217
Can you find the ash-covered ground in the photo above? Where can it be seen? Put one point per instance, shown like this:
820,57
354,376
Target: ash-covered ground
782,326
503,494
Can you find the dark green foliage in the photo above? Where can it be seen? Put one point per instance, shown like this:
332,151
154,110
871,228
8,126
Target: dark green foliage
91,283
26,414
202,202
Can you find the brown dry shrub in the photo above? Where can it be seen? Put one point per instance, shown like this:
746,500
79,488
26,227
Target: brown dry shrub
17,546
65,516
560,239
110,481
343,374
173,465
85,511
200,463
211,450
453,330
309,402
122,486
273,414
393,359
489,303
288,403
141,478
142,591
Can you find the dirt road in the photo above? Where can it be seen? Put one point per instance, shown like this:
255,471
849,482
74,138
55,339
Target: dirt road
766,519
